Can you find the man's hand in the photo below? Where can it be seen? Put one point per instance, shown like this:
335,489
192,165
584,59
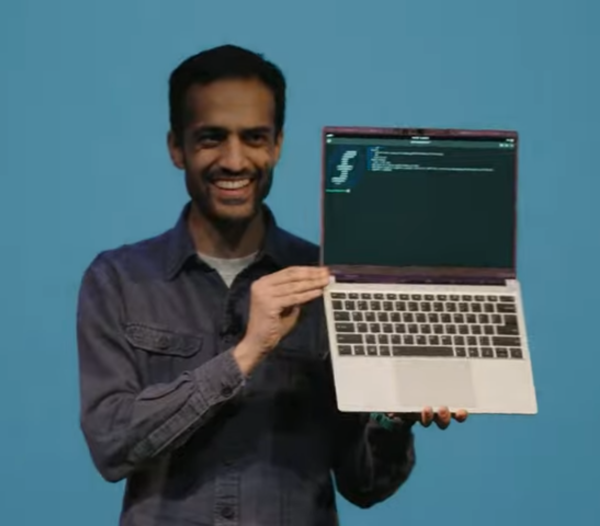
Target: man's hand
275,303
442,417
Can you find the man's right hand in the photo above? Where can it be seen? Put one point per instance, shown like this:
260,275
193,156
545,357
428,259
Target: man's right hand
275,303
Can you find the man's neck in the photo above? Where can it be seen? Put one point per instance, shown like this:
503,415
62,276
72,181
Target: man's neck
226,240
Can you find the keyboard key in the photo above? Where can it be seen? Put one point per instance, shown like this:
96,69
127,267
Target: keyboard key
422,351
507,308
341,316
505,341
344,327
349,338
345,350
487,352
382,316
516,353
508,330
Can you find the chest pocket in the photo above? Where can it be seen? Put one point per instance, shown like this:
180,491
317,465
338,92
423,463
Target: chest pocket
164,354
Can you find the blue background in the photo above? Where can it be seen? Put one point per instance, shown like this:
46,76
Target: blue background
84,167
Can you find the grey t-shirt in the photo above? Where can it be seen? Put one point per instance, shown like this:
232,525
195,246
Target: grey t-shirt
228,268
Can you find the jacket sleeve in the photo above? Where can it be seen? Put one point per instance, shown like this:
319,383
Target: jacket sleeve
372,462
124,425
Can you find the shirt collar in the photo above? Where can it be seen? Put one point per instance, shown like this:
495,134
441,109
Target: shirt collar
277,245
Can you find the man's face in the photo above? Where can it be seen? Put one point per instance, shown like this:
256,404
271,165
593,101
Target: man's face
229,148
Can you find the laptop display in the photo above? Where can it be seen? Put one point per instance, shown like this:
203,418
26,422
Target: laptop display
430,199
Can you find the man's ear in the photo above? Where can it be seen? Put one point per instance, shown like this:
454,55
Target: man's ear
175,150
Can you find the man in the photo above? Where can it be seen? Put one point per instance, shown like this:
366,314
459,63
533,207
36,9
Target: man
205,380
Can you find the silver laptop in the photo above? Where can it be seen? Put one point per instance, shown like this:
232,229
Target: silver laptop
424,306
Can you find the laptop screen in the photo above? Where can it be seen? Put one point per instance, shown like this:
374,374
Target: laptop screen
425,200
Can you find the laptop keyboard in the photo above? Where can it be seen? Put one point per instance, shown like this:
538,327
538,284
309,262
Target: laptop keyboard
427,325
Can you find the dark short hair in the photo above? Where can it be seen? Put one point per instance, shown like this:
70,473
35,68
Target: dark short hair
219,63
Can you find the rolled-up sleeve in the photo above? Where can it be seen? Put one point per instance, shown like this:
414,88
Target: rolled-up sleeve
126,425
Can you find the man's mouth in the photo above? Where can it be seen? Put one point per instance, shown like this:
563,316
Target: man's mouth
232,184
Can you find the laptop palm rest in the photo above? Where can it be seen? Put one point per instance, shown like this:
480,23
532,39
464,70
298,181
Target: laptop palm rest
421,383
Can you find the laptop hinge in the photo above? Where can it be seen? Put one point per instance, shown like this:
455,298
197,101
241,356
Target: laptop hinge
427,277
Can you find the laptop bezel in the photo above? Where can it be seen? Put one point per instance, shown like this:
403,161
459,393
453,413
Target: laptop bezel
377,274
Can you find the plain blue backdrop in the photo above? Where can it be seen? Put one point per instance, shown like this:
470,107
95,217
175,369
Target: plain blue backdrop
84,167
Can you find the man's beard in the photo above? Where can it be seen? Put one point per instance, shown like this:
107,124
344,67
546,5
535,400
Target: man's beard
262,179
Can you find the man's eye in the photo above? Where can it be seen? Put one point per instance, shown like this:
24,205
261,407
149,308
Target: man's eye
256,138
208,140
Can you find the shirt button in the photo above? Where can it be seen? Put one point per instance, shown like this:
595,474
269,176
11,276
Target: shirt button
227,512
163,342
225,390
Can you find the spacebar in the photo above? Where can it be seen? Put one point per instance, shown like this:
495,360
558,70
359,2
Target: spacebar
435,351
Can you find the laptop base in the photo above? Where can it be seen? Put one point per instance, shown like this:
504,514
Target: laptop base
401,348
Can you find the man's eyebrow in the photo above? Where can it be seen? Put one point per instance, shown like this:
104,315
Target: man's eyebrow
259,129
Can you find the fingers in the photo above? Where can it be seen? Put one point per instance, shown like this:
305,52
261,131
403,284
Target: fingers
294,285
299,274
299,299
427,417
461,415
299,287
442,418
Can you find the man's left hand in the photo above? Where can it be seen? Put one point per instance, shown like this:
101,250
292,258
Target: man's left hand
442,417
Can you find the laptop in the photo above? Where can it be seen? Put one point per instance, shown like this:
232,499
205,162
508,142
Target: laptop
424,306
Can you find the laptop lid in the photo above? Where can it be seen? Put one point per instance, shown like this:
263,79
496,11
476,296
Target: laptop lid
412,205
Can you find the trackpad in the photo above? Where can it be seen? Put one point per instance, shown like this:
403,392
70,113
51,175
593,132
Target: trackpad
422,383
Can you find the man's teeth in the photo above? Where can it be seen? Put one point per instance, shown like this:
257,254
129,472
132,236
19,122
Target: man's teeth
232,185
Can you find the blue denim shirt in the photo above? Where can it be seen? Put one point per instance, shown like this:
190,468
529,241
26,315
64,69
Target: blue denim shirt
164,405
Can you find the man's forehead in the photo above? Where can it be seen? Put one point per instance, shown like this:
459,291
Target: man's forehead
240,96
233,111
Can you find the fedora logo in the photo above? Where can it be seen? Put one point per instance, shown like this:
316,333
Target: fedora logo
344,167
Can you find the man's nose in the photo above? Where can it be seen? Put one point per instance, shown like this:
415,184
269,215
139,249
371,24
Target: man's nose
233,158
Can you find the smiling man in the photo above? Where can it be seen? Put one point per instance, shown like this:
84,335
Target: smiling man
205,380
